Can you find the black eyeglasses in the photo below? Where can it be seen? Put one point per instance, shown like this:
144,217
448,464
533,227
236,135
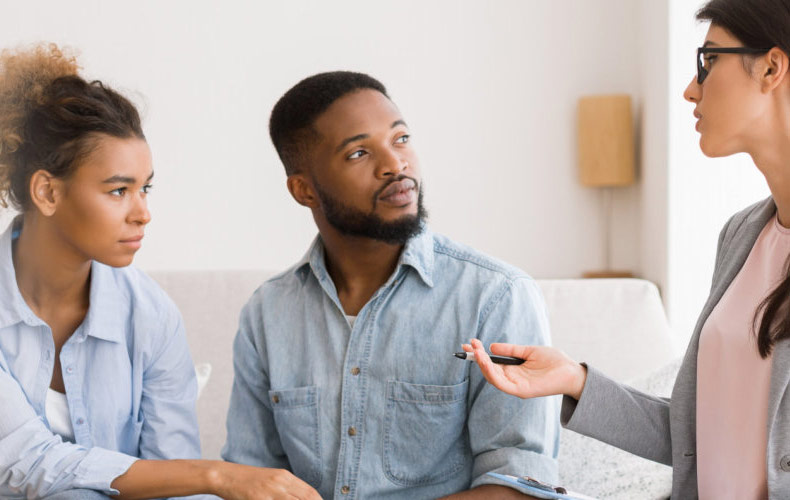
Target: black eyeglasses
702,70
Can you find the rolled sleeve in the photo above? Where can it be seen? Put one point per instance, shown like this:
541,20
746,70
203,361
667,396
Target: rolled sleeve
509,435
35,463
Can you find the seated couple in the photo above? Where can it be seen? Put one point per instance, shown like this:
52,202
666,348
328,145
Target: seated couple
345,384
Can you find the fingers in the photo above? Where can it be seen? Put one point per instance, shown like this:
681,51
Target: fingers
467,347
512,350
491,372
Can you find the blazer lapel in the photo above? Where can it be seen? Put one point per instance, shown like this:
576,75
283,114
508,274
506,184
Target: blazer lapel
780,378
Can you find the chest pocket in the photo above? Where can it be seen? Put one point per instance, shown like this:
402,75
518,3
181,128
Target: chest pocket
425,438
296,418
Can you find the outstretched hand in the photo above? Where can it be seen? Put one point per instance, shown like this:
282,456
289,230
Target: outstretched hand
546,371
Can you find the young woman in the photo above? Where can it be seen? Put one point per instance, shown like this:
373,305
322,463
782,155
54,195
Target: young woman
97,388
726,429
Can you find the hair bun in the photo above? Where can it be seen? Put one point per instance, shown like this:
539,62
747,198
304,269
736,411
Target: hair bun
25,74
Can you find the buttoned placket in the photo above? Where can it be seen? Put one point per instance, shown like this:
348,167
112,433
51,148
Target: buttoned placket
46,366
71,381
354,394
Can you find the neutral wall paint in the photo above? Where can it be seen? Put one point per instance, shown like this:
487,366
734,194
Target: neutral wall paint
654,137
488,88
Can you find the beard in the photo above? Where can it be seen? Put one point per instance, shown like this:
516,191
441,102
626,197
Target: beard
354,222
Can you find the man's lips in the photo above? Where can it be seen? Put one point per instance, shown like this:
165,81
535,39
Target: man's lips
402,188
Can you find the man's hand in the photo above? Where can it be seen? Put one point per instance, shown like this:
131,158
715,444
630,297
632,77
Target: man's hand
243,482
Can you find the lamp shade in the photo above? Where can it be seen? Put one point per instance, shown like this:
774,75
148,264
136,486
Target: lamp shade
606,141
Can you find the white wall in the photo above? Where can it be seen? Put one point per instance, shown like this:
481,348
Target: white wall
489,89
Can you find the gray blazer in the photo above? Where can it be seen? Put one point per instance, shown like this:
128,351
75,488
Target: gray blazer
664,430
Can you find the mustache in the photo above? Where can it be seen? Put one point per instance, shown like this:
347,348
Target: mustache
399,178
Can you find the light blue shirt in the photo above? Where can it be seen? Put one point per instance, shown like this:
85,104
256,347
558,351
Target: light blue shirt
129,380
383,409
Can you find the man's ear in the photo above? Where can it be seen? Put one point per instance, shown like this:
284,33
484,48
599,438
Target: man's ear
45,191
302,190
774,69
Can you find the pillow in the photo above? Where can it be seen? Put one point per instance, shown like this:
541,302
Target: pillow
600,470
203,372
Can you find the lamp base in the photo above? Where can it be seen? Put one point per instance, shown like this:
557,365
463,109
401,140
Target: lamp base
607,274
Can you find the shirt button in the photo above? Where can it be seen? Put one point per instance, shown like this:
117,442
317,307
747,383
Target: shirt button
70,370
785,463
276,399
344,490
80,421
352,431
355,370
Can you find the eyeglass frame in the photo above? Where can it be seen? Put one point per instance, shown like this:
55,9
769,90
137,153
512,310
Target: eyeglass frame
702,73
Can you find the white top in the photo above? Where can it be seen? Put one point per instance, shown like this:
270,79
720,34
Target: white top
351,320
57,408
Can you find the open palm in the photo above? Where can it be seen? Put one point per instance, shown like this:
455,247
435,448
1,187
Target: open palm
546,371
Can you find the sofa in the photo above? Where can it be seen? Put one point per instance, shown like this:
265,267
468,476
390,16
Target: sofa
617,325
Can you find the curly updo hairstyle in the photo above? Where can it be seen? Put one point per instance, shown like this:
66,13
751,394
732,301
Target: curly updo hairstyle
51,118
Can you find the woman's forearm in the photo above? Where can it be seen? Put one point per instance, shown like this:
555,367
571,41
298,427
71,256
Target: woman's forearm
175,478
169,478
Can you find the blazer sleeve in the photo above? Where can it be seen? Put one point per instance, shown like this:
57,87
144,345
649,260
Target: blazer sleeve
621,416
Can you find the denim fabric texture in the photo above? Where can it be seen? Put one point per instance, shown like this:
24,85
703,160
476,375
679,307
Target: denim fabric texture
129,378
383,409
78,495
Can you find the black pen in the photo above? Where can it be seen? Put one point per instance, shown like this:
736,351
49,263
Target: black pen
500,360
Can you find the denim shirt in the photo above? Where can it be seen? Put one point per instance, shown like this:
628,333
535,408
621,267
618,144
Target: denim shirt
129,378
383,409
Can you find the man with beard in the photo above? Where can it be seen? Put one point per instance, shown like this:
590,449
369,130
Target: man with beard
344,373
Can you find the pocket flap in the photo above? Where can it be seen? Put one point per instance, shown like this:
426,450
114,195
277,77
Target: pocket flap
427,394
294,398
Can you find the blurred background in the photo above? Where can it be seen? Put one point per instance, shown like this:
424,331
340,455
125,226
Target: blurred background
488,88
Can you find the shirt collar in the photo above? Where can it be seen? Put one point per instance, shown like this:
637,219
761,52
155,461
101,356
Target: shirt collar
109,305
13,308
418,254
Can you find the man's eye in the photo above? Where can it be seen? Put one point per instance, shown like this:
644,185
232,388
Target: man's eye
402,139
356,154
147,188
118,192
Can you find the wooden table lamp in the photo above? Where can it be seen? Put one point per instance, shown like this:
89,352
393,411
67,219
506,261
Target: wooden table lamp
606,157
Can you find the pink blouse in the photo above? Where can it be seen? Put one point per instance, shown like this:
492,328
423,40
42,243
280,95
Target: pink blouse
733,381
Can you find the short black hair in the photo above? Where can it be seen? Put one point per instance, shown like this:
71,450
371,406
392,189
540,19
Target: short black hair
291,122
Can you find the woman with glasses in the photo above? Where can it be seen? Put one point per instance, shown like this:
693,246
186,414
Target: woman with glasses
97,387
726,429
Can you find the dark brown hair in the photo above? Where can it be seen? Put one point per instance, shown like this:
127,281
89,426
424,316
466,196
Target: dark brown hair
51,118
758,24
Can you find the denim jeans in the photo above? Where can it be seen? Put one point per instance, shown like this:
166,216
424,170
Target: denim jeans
77,495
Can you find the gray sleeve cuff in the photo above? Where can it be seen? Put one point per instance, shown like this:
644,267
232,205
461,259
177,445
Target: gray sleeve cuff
640,424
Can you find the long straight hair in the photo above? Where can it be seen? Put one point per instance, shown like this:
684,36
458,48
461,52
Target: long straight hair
760,23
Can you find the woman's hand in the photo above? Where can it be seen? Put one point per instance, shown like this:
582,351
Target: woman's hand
546,371
244,482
